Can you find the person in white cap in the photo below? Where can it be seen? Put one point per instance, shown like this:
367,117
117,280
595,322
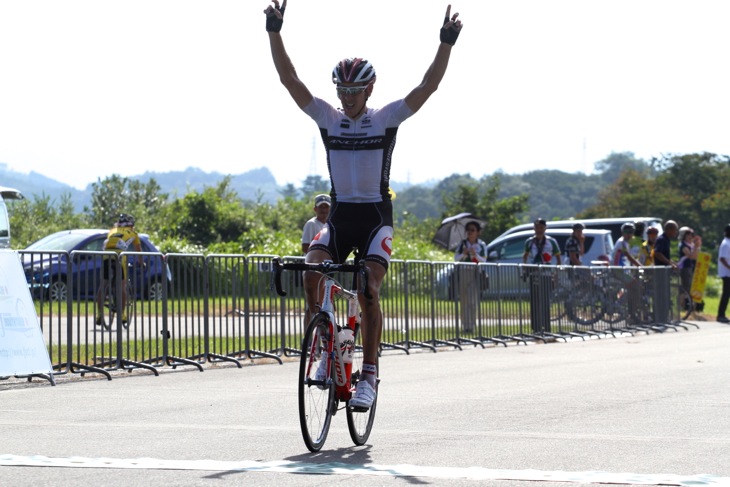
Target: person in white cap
322,203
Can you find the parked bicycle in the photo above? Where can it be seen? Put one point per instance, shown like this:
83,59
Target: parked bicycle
587,296
575,298
331,357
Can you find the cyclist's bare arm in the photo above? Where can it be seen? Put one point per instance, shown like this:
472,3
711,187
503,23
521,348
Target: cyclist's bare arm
435,73
284,67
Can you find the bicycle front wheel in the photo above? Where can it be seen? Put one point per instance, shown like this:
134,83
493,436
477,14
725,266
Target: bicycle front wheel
360,423
316,394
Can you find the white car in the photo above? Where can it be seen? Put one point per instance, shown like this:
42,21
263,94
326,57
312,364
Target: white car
613,224
509,248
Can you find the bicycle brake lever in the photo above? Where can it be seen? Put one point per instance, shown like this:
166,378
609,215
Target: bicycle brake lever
276,263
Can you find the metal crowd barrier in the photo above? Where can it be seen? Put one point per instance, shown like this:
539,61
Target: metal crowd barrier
186,310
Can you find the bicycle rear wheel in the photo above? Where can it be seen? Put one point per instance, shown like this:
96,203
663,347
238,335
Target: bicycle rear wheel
316,397
111,303
360,423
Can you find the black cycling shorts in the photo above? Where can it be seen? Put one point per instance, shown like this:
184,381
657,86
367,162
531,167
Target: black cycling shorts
363,227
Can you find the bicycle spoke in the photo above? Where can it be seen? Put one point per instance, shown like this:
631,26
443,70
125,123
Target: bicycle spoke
316,395
359,423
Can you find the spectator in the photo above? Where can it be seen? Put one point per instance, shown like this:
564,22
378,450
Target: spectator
638,239
661,255
468,278
623,252
689,247
723,272
540,249
645,255
575,245
626,254
322,203
122,237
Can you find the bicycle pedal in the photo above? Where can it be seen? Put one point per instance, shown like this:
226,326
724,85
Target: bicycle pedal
358,409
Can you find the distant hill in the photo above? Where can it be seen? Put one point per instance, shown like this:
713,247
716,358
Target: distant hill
249,185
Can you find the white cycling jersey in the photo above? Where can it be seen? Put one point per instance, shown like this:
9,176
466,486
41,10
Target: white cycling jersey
359,151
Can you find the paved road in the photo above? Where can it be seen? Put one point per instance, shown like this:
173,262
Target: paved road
645,410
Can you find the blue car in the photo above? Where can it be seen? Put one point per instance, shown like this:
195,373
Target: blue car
63,261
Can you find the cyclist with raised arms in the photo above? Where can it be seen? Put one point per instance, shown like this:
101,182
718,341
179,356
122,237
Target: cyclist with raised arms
359,142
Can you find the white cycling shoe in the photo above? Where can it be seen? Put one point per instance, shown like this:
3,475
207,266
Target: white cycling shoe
321,373
364,396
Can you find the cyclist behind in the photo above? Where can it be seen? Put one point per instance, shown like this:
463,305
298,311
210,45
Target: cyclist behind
359,142
647,247
121,237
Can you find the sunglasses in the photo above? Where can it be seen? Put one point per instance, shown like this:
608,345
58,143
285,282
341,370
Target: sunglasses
350,90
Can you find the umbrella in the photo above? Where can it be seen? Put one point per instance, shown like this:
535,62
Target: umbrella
453,230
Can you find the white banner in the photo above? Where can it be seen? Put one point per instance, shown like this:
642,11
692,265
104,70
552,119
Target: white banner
22,350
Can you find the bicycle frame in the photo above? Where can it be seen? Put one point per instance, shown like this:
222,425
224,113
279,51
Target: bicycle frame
334,346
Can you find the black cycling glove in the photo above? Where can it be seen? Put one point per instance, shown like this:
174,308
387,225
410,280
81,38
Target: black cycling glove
449,35
274,23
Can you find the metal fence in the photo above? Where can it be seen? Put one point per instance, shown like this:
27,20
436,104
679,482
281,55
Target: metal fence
186,310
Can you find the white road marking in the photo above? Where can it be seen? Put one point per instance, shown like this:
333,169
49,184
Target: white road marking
338,468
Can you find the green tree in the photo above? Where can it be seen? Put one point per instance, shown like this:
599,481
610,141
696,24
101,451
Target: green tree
616,163
289,191
32,219
115,194
314,185
481,198
216,215
690,189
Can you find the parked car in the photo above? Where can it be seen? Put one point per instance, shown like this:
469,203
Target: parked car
47,266
613,224
508,249
598,245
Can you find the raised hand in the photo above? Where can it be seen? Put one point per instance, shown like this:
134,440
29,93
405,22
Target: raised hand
275,16
451,27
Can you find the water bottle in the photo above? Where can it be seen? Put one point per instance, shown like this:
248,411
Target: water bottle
347,344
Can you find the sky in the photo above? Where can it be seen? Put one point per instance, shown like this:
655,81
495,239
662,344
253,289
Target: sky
94,88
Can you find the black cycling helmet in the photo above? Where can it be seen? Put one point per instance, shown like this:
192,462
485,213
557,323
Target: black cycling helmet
627,227
125,220
353,70
578,226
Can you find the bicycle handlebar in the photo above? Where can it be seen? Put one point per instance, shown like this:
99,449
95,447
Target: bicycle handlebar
326,267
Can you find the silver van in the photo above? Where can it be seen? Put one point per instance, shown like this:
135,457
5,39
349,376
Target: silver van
612,224
6,194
